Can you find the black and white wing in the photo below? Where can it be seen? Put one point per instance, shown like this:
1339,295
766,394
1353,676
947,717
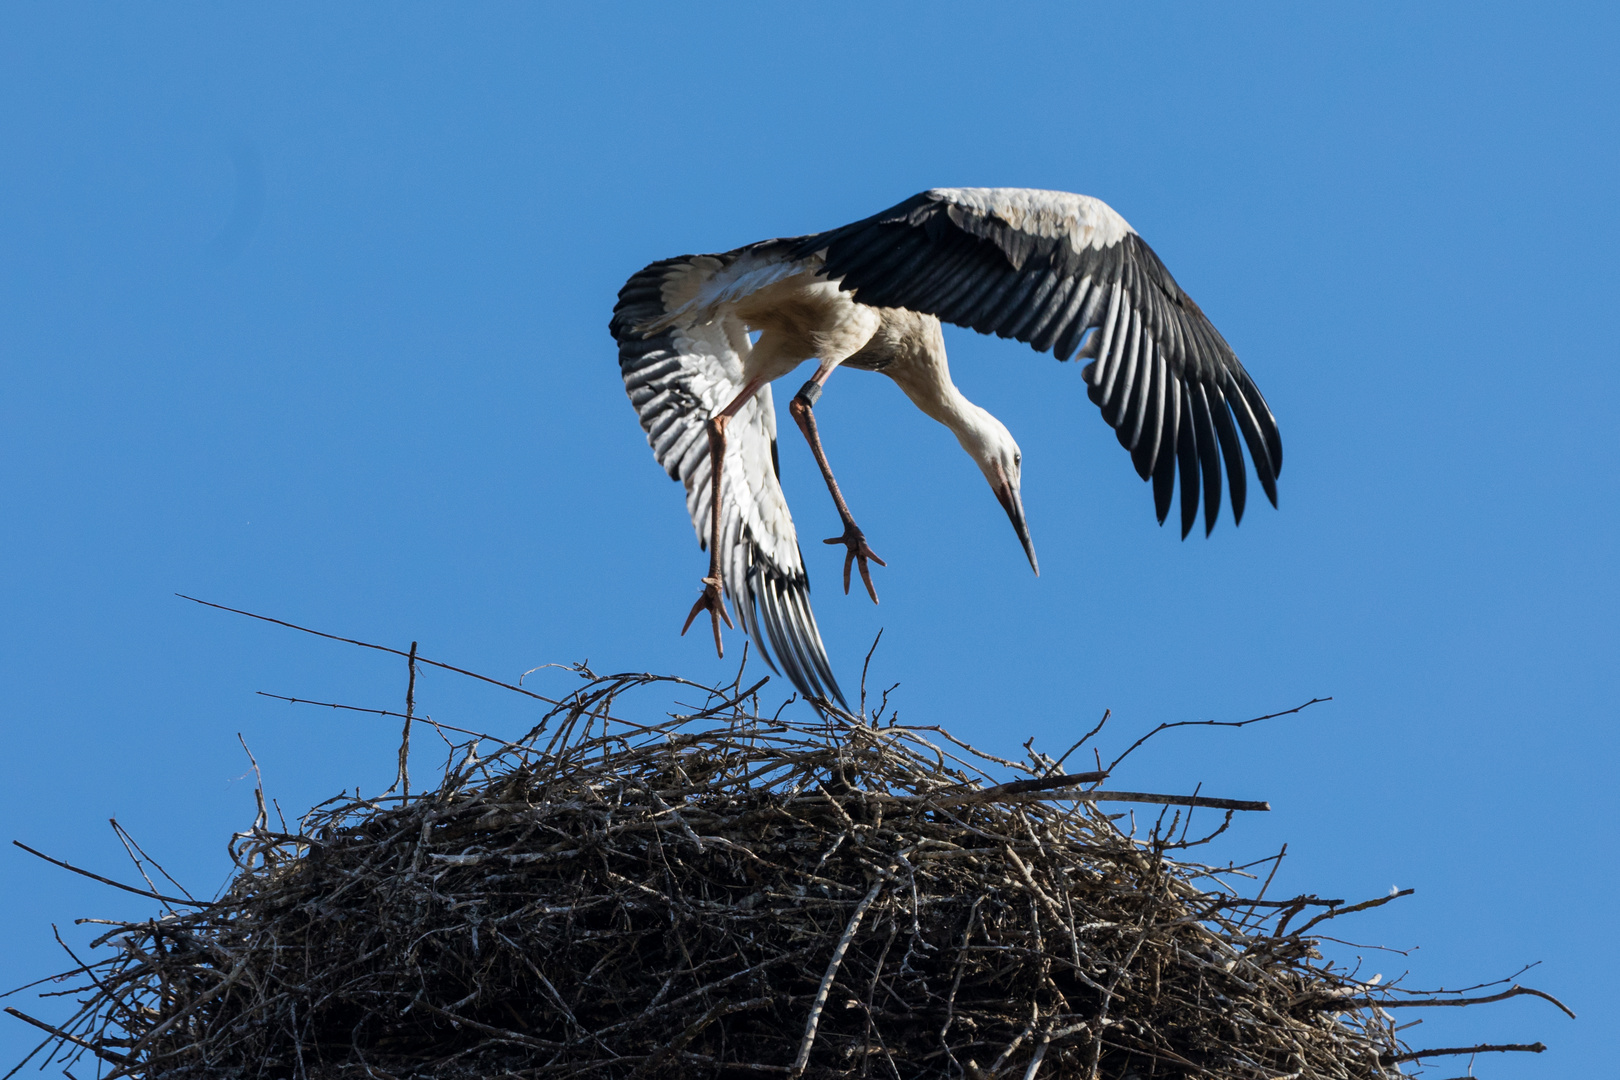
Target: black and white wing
1047,267
681,358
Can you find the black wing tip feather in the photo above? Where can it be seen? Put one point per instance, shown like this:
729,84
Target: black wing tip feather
1209,438
1222,412
1187,461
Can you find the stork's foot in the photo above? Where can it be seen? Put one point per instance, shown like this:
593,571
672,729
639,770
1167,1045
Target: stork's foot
715,604
855,541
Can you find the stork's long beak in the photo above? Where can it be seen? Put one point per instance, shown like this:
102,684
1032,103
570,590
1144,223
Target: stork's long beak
1013,503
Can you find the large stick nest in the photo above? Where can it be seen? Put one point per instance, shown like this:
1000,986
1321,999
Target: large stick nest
722,893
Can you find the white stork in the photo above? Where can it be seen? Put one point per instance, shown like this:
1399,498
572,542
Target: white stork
1045,267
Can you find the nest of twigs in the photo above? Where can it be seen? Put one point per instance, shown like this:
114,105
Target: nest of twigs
721,893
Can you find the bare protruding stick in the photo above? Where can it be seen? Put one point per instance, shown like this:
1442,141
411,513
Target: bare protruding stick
832,973
1169,800
1434,1002
109,881
404,780
1482,1048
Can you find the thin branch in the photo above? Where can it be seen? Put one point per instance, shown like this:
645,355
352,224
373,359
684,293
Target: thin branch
481,735
404,778
130,842
1213,723
380,648
866,664
814,1020
66,1037
110,881
349,708
1363,906
1168,800
1482,1048
1058,764
1434,1003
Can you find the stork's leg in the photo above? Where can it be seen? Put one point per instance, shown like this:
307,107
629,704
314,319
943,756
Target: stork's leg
712,599
803,410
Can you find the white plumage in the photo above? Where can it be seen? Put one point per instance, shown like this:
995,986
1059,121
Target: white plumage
1059,271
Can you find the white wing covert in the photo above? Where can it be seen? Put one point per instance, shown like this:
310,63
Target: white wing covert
681,359
1047,268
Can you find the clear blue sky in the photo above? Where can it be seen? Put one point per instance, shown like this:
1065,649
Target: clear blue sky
305,312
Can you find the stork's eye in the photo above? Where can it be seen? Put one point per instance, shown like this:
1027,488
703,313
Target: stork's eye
1018,459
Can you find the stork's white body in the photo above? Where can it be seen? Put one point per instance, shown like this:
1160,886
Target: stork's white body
809,318
799,318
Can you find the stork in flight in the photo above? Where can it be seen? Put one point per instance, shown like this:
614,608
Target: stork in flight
1061,272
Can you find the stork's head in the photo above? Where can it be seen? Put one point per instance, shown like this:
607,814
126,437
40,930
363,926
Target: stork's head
993,448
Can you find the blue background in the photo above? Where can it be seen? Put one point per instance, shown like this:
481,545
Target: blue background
304,312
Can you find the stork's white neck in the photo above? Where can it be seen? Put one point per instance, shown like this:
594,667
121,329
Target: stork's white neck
950,407
928,384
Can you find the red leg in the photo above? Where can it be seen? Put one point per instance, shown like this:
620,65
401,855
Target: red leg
803,410
712,598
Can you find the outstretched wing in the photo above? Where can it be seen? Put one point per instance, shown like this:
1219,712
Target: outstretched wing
1047,267
682,363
